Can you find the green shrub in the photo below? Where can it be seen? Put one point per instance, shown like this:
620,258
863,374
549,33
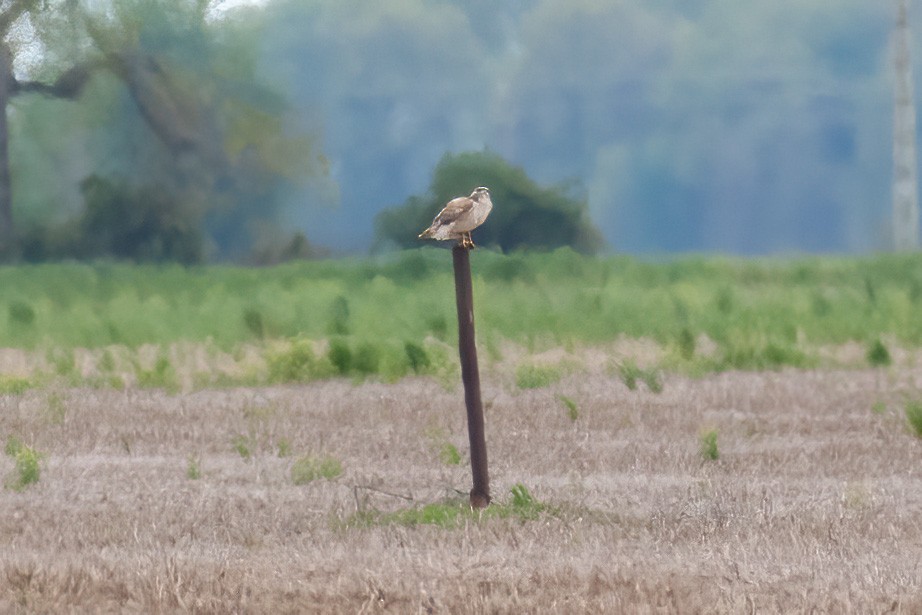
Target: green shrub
294,363
21,313
27,461
708,445
367,359
417,358
340,356
309,468
877,354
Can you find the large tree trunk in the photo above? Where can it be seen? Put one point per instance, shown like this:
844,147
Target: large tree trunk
905,182
7,230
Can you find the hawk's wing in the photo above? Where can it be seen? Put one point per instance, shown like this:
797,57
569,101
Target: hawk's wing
454,210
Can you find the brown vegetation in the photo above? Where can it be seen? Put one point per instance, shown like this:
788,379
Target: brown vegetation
812,505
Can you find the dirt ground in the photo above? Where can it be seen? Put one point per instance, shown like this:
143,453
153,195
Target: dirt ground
813,506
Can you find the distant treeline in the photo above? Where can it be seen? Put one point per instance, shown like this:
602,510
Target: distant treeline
179,130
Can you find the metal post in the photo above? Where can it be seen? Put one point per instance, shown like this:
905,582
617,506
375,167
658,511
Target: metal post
467,348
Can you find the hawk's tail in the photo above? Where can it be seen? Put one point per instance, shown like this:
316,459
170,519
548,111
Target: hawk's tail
426,233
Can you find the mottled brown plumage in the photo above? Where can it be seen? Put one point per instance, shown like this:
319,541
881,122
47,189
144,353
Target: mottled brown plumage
459,217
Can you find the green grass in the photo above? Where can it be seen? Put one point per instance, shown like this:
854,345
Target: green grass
528,376
11,385
27,460
454,513
914,417
449,454
630,374
194,467
390,316
708,445
309,468
572,408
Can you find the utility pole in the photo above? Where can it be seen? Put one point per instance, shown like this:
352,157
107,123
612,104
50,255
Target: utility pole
905,179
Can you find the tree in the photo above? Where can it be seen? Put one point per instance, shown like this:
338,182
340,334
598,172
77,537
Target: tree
68,86
525,215
191,145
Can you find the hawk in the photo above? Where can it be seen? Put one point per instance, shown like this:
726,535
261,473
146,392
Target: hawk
461,216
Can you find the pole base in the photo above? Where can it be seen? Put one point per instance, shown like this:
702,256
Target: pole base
479,500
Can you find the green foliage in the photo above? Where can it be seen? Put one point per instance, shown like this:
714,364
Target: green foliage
161,376
760,356
529,376
21,313
556,299
686,344
367,359
253,320
11,385
27,460
417,358
340,356
191,146
914,416
339,316
454,513
630,373
284,446
523,504
295,361
526,215
708,445
309,468
449,455
62,361
243,446
193,467
572,408
877,354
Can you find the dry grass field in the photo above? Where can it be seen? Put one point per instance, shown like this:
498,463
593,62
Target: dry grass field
157,503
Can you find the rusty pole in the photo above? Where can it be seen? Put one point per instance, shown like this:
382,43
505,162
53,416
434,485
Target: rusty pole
467,348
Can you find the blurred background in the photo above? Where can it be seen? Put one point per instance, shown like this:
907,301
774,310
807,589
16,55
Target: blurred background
197,131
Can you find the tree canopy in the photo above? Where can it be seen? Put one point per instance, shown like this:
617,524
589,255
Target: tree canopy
186,151
258,131
525,215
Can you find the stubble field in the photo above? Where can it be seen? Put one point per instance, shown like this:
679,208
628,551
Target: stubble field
152,502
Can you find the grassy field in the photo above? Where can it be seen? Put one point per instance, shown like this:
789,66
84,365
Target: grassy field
698,435
792,491
388,317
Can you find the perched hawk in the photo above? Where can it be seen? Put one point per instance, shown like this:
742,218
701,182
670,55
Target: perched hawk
461,216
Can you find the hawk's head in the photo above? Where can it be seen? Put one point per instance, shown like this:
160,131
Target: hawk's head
479,193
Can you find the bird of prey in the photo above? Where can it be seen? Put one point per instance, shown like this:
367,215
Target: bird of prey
461,216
